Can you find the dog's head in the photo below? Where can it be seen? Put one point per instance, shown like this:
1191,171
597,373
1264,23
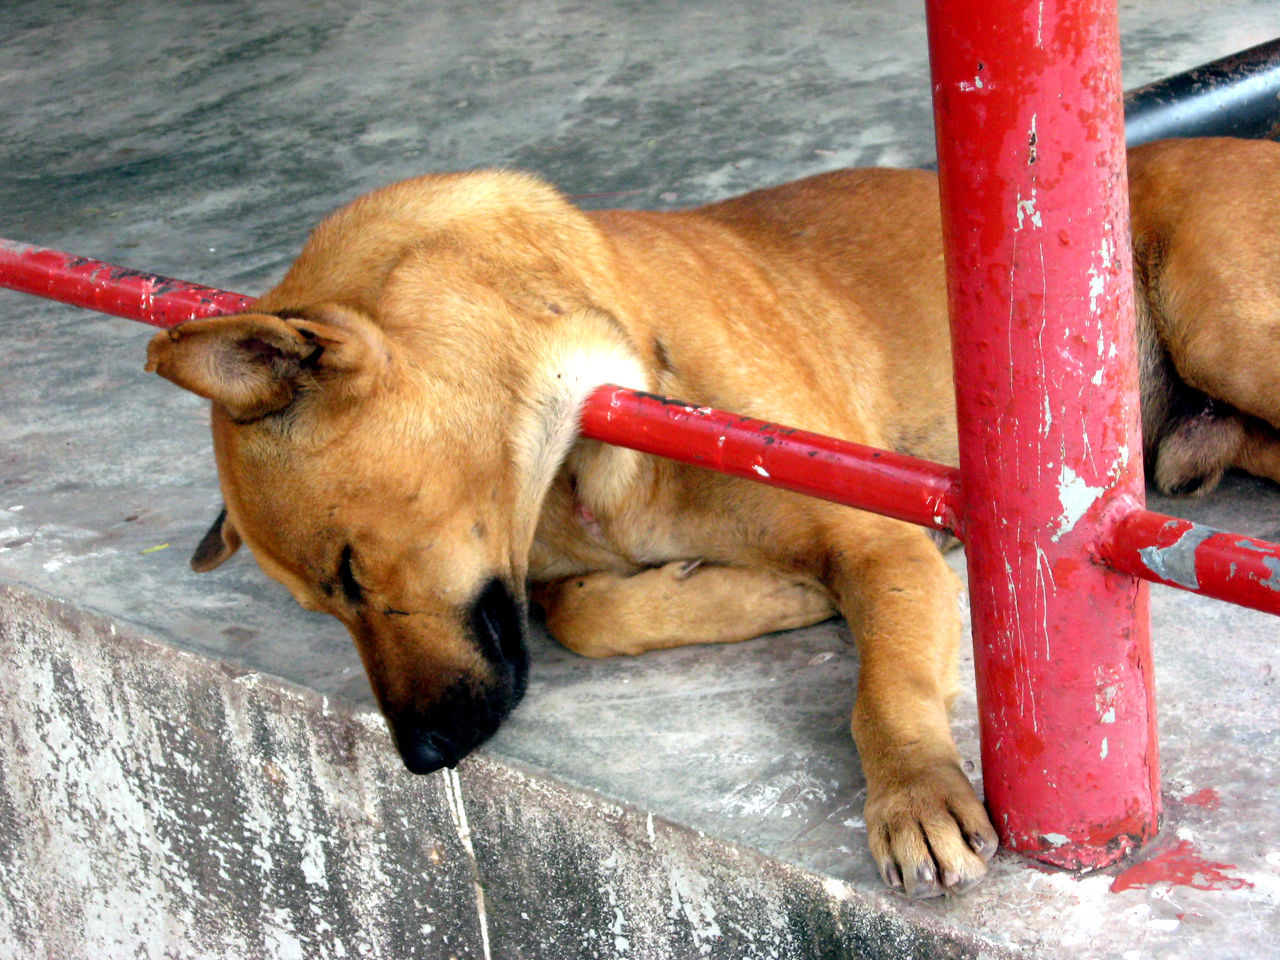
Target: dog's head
384,443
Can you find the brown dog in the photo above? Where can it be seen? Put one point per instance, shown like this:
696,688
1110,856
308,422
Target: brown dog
395,429
1206,239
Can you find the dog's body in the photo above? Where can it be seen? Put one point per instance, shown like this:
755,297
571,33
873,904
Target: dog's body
395,427
1206,236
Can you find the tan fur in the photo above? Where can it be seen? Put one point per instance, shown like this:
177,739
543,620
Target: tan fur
395,428
1206,234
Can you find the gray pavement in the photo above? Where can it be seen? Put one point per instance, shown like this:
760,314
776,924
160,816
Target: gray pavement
202,140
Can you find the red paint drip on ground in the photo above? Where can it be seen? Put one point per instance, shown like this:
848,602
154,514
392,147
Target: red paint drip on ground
1207,798
1179,865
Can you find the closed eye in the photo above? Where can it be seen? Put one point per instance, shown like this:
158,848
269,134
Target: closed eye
351,588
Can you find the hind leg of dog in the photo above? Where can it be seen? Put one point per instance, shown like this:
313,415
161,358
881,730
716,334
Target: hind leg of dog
604,614
1259,451
1211,266
927,829
1191,457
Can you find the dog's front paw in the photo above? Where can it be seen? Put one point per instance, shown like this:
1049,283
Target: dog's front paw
929,833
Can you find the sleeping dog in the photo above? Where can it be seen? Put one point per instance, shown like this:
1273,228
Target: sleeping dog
395,426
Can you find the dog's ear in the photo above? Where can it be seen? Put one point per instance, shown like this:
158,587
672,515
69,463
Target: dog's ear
247,362
217,545
251,363
350,344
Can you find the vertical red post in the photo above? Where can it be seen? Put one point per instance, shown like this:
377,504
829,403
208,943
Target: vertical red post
1030,127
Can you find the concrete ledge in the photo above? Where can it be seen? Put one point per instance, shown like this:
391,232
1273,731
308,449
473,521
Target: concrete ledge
157,802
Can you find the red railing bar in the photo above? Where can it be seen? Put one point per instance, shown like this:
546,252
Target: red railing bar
892,484
107,288
1236,568
898,486
1191,556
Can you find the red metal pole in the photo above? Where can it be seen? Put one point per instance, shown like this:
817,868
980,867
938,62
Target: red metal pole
1030,130
888,483
107,288
1191,556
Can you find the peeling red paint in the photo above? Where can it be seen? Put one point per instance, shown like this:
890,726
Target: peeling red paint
893,484
1179,865
1047,410
1207,798
1192,556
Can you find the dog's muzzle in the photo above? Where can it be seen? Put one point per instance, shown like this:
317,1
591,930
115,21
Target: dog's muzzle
423,750
471,708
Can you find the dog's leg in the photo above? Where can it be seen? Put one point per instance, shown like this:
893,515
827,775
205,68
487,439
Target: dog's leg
1208,402
927,829
1196,446
1259,451
1204,435
603,614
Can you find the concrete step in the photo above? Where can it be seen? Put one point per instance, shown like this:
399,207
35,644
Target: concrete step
158,802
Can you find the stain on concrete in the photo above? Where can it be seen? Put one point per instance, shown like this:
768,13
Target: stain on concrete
1179,864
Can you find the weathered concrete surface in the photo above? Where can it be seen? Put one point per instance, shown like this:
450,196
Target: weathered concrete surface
162,803
145,776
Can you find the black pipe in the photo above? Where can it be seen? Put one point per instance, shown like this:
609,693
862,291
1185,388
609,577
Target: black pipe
1237,96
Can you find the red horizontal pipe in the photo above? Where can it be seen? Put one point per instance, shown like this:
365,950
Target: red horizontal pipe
1191,556
120,291
906,488
898,486
660,426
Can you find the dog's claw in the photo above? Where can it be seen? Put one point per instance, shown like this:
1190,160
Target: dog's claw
932,829
891,874
983,845
955,884
926,885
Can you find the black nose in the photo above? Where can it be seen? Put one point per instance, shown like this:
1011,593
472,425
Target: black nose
497,623
439,734
423,750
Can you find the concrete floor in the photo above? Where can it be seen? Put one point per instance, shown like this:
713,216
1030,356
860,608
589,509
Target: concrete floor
202,140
